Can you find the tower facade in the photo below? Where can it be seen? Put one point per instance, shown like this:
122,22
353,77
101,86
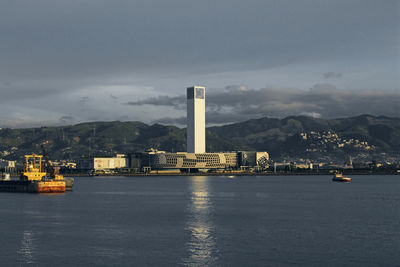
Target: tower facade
196,119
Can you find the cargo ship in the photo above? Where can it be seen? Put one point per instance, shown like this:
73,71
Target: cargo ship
34,178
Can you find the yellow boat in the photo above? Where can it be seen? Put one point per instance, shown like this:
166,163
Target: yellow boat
338,177
33,179
33,171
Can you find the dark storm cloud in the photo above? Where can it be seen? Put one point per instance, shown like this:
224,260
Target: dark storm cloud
237,103
54,53
65,39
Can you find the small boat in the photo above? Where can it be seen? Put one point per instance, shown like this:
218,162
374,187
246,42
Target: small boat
338,177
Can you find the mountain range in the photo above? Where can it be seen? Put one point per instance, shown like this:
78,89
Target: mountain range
363,136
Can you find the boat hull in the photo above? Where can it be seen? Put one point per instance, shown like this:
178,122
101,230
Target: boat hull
341,180
50,187
32,186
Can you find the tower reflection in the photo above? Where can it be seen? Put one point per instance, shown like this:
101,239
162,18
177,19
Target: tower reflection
26,250
201,243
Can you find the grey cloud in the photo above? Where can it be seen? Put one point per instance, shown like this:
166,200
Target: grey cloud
330,75
311,114
176,102
16,91
58,39
84,100
234,104
67,119
169,121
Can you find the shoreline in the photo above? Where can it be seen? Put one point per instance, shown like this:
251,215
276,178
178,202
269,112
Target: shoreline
14,175
227,174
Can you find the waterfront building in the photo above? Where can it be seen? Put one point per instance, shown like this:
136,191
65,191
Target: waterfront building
161,160
195,158
185,160
248,159
120,161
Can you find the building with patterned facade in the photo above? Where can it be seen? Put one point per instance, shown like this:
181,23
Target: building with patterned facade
185,160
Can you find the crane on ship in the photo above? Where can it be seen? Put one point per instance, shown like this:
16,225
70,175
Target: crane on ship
54,171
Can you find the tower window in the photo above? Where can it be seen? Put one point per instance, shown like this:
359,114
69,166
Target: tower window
200,93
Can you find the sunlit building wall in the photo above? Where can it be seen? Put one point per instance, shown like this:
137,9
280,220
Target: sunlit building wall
196,120
104,163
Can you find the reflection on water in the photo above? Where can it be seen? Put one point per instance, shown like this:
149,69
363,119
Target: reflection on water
37,220
201,244
26,250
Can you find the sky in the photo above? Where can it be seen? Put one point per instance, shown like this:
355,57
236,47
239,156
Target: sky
66,62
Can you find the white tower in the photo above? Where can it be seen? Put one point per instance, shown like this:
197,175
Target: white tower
196,120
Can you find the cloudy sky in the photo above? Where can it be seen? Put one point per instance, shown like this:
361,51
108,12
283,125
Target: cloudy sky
63,62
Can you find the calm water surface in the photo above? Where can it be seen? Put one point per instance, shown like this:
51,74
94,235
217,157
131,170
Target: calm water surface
206,221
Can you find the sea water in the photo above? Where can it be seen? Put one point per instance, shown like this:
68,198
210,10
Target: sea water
205,221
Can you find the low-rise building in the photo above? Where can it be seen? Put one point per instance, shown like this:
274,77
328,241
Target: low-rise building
161,160
183,160
120,161
158,160
249,159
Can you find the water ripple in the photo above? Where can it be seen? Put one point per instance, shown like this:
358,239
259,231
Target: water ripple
201,245
27,248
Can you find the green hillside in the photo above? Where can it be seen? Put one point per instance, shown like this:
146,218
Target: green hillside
295,136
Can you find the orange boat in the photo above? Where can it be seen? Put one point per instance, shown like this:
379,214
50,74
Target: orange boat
338,177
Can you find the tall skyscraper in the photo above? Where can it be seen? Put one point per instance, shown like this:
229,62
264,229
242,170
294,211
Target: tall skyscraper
196,120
